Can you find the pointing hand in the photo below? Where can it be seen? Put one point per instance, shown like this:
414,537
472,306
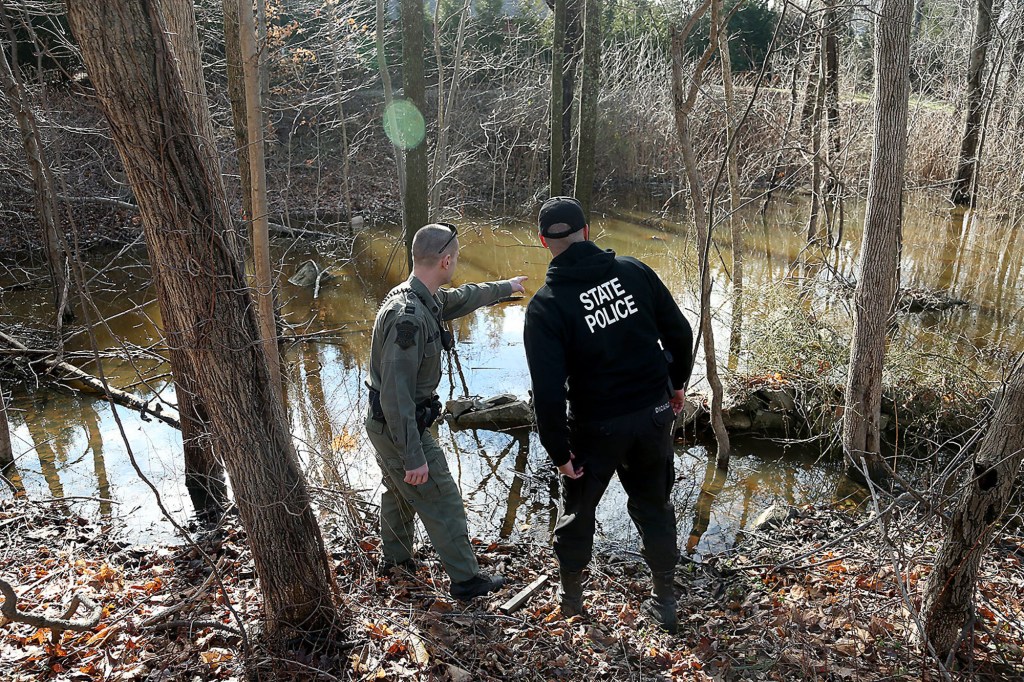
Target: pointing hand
517,284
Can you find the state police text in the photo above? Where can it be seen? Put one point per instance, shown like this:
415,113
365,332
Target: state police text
606,304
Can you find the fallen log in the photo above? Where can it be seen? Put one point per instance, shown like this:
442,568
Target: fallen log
66,372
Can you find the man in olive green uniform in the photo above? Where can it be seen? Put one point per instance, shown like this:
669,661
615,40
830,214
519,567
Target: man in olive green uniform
405,369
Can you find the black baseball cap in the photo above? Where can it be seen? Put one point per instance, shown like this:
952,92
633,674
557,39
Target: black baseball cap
561,216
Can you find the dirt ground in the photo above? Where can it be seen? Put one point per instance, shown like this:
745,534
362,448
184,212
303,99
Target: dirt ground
819,594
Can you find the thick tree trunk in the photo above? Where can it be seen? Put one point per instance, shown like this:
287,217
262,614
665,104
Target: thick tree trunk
683,101
949,599
590,90
964,186
260,231
557,107
415,213
45,193
204,471
205,305
874,297
236,95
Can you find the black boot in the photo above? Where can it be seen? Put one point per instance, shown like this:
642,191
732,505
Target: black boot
477,586
570,593
661,607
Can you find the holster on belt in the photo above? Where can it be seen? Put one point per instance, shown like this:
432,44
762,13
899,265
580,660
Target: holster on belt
427,411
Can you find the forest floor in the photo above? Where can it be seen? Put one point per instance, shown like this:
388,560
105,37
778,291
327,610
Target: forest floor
819,594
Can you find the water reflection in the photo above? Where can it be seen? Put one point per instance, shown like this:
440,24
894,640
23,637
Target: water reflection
509,484
714,481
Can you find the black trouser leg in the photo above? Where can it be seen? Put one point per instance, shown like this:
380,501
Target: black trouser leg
647,473
597,452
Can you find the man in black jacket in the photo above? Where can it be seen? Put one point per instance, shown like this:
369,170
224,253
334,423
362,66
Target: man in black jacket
605,339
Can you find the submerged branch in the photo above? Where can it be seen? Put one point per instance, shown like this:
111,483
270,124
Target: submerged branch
65,372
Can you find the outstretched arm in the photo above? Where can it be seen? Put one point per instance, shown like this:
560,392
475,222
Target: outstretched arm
467,298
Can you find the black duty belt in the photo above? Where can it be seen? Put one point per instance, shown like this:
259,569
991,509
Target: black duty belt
427,411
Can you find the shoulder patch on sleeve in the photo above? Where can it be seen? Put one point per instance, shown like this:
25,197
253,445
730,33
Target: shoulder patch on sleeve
405,334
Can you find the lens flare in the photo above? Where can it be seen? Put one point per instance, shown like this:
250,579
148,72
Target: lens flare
404,125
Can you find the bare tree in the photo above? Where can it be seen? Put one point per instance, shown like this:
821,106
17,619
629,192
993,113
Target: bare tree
832,190
207,309
875,295
949,598
445,104
965,180
721,21
591,85
44,187
415,213
259,220
557,107
236,96
683,101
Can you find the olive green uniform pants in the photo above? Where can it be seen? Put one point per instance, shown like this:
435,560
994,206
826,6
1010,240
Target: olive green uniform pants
438,502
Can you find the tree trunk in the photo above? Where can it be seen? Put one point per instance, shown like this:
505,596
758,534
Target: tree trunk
389,96
415,213
236,95
778,172
571,57
832,194
557,108
732,163
445,105
206,307
874,297
45,193
813,75
590,86
339,94
8,469
964,186
260,230
949,599
683,102
816,152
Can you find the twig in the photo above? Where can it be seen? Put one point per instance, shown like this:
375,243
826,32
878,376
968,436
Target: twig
10,611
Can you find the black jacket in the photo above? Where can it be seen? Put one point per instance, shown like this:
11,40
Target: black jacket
605,334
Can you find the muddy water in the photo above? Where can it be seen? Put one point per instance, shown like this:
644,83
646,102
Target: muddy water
72,447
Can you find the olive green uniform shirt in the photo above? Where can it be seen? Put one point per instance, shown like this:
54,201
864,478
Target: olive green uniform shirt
405,353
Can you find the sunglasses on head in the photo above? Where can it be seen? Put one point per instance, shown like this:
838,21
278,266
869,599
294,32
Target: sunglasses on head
454,234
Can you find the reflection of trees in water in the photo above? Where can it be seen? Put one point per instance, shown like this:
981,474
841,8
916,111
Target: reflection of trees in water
94,438
50,443
714,480
322,444
523,496
729,500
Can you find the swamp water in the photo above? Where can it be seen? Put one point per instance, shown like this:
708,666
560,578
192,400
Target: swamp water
70,445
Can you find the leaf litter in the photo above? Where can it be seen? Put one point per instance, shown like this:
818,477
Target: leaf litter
772,608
